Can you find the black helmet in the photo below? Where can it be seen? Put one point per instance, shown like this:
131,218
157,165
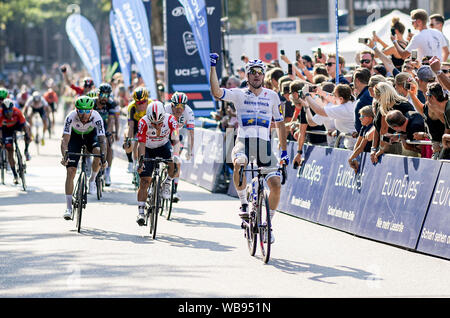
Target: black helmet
104,89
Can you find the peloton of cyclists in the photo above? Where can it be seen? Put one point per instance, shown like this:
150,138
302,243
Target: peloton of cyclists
12,120
82,126
185,117
155,131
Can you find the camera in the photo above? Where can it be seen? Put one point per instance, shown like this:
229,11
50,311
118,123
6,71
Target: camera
363,40
297,55
407,86
63,68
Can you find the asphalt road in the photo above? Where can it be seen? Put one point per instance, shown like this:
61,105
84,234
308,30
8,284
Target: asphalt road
200,252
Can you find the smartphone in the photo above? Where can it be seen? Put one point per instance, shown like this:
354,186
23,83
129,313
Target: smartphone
407,86
414,55
393,31
386,139
63,68
319,53
409,30
282,52
297,55
290,69
363,40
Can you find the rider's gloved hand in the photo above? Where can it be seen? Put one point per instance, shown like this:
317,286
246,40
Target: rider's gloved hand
284,157
213,57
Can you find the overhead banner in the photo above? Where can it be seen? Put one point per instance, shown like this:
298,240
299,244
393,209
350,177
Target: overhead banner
84,39
121,47
132,17
185,69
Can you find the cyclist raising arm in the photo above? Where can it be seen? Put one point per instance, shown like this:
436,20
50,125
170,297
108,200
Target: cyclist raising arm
155,131
82,126
255,107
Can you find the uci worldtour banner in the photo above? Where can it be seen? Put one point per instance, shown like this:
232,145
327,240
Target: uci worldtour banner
185,70
132,18
83,37
121,47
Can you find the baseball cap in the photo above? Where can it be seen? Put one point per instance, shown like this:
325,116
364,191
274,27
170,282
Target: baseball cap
425,73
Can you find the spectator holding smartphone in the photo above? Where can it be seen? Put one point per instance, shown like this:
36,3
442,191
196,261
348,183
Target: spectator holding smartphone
428,42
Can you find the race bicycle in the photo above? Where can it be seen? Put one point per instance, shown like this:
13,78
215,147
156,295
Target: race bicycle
153,204
259,223
79,196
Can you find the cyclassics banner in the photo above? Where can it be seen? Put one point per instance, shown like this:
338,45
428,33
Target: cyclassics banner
84,38
132,18
121,46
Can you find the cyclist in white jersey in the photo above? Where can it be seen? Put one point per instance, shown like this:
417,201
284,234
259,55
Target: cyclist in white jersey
37,104
185,117
155,130
256,106
82,126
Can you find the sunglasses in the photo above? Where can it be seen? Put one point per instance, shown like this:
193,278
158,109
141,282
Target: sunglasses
178,105
141,102
254,71
101,95
84,111
364,61
330,63
445,71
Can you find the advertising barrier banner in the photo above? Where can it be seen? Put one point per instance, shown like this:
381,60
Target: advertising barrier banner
84,39
435,236
184,69
304,190
397,199
132,17
346,192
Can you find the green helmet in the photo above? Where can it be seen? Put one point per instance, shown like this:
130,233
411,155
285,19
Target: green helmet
3,93
92,94
84,102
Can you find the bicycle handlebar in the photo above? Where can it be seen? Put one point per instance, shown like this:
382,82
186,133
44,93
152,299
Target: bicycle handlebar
263,171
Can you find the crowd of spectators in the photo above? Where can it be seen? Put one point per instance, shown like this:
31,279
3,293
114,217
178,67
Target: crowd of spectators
396,100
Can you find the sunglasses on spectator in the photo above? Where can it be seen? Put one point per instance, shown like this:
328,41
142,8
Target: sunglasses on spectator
364,61
330,63
255,71
445,71
84,111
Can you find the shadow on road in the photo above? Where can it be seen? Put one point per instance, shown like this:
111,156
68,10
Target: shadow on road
179,241
321,272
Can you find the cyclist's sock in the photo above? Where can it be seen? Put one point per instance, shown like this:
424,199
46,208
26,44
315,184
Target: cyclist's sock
108,171
175,181
69,201
130,157
93,175
272,213
242,194
141,205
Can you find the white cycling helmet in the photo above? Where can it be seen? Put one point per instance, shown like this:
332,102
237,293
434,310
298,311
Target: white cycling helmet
155,112
255,63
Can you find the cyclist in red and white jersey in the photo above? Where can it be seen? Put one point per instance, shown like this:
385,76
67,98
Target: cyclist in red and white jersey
155,132
185,118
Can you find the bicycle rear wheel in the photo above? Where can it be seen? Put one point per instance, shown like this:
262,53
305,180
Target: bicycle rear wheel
250,227
264,226
80,199
3,164
21,169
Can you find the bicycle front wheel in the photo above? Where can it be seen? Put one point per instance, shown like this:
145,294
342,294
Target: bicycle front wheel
156,209
250,227
80,199
264,225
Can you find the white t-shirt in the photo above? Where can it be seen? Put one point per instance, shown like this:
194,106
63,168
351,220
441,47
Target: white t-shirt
254,113
428,42
328,123
344,119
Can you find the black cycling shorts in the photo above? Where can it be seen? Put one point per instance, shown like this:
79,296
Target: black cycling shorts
90,140
8,132
164,152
